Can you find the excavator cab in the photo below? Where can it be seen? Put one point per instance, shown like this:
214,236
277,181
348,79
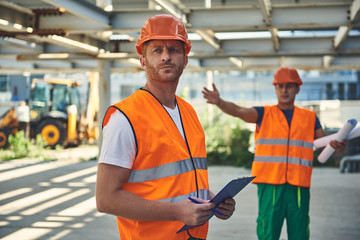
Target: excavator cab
49,102
47,98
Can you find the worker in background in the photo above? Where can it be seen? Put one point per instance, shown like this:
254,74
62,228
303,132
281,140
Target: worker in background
153,155
15,96
22,113
283,160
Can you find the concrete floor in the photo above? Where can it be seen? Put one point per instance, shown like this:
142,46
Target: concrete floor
55,200
334,206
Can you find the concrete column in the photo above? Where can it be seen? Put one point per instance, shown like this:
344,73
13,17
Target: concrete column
358,85
209,82
346,91
104,69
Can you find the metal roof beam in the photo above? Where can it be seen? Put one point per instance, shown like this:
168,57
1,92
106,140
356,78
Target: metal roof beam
53,64
275,38
327,60
233,19
310,17
212,41
33,70
243,48
84,9
53,56
355,11
13,20
15,7
131,20
172,9
70,23
265,7
341,35
282,18
18,46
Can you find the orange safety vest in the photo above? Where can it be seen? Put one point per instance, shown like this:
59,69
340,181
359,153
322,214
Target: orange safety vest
284,154
166,168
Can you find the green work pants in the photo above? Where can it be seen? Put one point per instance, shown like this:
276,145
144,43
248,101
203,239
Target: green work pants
277,202
192,238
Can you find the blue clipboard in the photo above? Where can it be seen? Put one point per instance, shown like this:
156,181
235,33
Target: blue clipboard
229,191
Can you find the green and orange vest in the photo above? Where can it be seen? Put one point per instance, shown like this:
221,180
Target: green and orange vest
166,168
284,154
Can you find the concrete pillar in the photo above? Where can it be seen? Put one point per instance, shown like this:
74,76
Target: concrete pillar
346,91
209,82
104,69
358,85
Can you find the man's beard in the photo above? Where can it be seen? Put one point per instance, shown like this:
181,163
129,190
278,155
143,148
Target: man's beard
154,72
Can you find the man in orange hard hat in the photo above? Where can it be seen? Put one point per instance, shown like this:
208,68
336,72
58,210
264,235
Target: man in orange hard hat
283,160
153,156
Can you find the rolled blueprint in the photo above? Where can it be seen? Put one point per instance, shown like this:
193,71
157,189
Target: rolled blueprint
339,136
322,142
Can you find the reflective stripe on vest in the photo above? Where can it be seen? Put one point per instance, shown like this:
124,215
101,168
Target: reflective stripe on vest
166,168
279,159
274,141
292,160
202,193
284,154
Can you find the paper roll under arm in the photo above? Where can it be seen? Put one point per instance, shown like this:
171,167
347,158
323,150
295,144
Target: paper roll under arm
339,136
322,142
354,133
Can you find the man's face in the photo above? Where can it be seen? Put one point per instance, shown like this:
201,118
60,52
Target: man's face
163,60
286,92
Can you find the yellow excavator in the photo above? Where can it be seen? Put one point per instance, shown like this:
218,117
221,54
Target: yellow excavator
56,113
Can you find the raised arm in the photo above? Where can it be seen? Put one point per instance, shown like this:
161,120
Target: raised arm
112,199
213,97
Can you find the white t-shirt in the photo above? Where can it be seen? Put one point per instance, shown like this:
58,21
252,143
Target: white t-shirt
118,143
22,113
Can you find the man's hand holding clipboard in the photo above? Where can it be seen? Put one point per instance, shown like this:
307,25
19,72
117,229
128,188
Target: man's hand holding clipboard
229,191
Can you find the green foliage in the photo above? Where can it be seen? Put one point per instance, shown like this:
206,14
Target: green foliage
226,142
239,145
20,147
184,92
19,144
39,142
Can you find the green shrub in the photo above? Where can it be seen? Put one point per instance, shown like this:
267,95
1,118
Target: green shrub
20,147
226,142
239,145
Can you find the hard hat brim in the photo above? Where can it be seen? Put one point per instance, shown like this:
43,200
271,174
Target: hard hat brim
139,45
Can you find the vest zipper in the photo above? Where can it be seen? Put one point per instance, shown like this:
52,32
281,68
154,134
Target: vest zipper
196,179
192,160
287,153
187,145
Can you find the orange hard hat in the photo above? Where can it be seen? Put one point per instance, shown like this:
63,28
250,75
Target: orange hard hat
287,75
163,27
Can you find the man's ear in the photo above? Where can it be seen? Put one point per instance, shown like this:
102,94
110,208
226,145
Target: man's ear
186,60
142,62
